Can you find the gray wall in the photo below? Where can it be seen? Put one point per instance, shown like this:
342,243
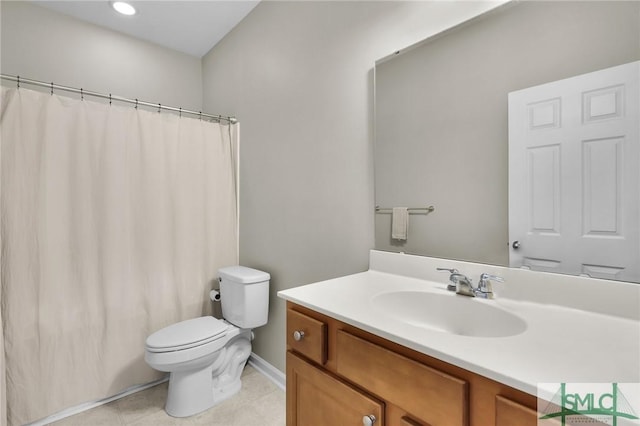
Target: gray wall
44,45
298,75
442,117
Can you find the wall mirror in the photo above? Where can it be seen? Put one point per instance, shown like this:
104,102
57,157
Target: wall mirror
442,128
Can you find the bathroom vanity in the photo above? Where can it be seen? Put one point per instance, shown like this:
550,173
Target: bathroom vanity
365,349
340,374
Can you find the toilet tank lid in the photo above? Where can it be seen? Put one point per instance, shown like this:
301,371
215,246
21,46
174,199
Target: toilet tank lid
243,275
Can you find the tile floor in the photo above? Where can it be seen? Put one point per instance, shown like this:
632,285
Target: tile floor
259,403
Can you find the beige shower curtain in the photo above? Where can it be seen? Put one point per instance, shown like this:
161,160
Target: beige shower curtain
114,223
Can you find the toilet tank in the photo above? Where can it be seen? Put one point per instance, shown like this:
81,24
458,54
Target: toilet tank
244,296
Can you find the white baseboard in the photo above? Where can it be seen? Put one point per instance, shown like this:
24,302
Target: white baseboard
271,372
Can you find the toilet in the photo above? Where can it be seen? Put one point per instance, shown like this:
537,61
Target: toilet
205,356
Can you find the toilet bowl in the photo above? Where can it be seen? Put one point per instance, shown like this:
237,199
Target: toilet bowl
205,356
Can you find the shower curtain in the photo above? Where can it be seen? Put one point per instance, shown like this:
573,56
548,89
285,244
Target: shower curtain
114,223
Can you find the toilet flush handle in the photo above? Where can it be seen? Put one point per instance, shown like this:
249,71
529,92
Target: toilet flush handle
298,335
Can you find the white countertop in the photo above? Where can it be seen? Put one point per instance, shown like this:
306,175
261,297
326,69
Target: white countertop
559,344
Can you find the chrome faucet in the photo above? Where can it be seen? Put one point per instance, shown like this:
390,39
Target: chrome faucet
463,285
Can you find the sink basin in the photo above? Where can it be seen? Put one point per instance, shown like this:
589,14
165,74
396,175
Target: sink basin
449,313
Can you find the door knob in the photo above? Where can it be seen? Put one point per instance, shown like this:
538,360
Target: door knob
298,335
516,245
369,420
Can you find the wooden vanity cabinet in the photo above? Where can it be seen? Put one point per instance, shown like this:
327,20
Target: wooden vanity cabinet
341,374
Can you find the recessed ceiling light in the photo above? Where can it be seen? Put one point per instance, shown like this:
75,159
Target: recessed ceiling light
123,7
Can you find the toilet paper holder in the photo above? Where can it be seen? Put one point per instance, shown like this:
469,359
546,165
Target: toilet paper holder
214,295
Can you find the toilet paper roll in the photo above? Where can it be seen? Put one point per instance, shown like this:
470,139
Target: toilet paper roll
214,295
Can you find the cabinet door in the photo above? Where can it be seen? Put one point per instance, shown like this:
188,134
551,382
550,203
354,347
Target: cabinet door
316,398
408,421
510,413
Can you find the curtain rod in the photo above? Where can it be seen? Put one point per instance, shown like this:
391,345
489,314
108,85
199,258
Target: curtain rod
136,102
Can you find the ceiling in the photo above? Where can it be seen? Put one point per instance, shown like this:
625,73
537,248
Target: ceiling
192,27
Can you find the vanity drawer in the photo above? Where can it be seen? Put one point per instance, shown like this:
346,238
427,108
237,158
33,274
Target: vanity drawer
509,413
432,396
307,336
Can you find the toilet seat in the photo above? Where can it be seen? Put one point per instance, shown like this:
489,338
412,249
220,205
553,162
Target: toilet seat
187,334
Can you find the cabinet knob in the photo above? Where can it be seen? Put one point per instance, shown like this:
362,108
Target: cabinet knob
298,335
369,420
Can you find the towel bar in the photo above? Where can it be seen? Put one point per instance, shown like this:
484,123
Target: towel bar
412,210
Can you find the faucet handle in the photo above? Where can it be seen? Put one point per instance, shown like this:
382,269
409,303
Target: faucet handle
452,284
484,285
485,276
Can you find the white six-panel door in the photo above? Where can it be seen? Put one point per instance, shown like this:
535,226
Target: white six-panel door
574,180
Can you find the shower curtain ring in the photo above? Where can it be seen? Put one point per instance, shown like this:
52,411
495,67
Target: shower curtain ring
52,88
109,98
81,94
180,112
18,77
200,113
136,103
159,107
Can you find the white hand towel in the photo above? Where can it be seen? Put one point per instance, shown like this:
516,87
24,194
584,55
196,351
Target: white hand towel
399,223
